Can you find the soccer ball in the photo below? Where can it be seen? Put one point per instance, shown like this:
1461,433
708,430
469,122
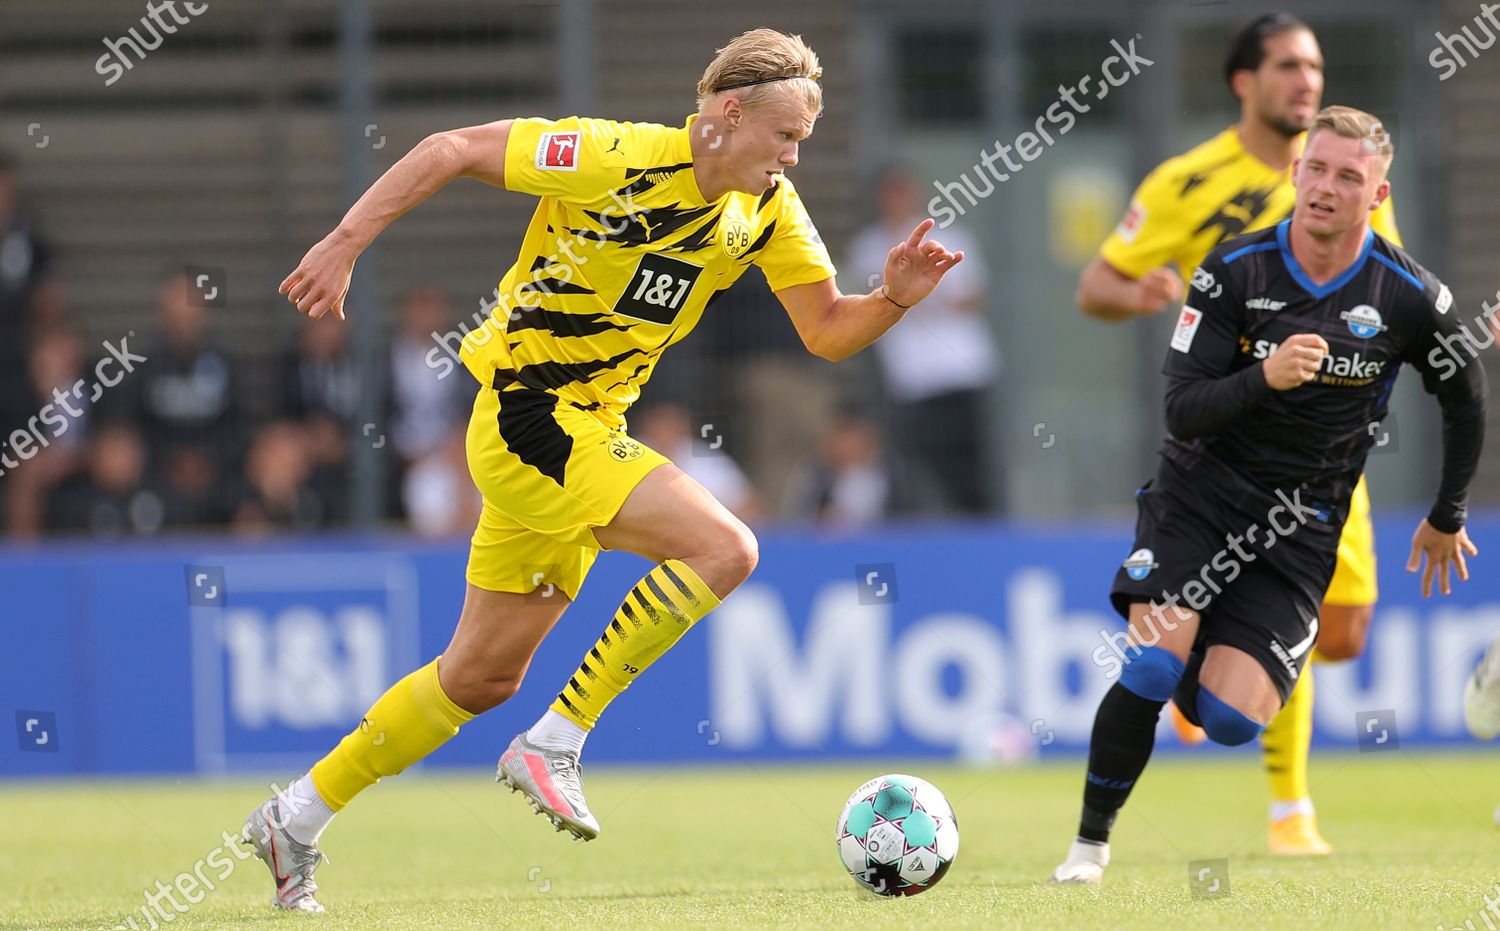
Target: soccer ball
897,835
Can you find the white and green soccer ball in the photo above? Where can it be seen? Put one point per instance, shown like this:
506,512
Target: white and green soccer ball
897,835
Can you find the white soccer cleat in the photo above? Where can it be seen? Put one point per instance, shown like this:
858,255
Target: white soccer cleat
1084,866
1482,695
552,781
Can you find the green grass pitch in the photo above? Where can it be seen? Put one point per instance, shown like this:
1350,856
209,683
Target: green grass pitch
753,846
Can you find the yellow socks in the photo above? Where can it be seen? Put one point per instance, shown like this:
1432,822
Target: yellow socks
412,719
1285,743
656,613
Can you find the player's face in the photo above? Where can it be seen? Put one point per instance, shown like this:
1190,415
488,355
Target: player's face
1338,183
766,142
1288,87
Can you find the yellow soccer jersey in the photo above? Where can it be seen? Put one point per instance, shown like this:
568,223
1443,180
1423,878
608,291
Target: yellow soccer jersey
622,257
1195,201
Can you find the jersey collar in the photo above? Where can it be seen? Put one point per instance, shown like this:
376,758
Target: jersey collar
1298,275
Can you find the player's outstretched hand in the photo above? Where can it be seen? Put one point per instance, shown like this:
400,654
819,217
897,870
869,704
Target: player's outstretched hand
320,281
1295,362
914,268
1442,552
1156,290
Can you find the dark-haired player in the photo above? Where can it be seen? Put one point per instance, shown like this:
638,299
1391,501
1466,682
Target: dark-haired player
1282,359
1237,182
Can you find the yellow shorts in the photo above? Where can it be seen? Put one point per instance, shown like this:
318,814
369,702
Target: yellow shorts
1354,577
549,473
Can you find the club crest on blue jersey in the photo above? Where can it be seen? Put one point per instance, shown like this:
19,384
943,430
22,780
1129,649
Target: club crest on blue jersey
1364,321
1139,564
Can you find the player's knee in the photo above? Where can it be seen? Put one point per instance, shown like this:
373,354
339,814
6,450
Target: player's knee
1346,638
1223,723
1153,675
738,553
479,694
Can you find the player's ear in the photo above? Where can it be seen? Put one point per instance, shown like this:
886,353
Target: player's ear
734,111
1296,169
1381,193
1239,83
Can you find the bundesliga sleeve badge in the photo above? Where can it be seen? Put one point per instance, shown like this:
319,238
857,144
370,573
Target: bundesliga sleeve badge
557,152
1187,328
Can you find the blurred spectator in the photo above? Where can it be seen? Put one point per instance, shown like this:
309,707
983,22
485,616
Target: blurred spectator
938,362
56,365
668,428
757,382
438,494
112,497
424,408
184,395
848,484
319,377
327,445
277,495
196,492
27,298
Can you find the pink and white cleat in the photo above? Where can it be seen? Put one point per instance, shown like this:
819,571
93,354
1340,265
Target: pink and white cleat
552,781
292,864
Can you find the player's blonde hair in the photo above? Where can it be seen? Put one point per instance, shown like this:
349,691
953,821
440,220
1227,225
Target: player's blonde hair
1356,124
757,62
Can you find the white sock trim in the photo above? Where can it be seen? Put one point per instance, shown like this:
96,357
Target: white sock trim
1281,810
306,814
553,731
1085,851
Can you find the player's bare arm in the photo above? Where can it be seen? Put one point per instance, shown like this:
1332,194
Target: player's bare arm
1105,293
320,281
835,326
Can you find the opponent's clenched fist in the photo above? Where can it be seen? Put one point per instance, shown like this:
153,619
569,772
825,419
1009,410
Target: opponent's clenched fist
1296,361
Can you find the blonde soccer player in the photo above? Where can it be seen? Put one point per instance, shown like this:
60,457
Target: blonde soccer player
638,228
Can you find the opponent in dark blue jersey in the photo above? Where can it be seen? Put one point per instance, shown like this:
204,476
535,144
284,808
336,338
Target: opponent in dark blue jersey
1279,372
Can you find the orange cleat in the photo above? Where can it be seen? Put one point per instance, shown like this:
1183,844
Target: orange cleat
1297,836
1189,733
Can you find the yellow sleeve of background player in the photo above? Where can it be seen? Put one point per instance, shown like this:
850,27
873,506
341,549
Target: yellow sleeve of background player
796,254
576,158
1383,222
1149,235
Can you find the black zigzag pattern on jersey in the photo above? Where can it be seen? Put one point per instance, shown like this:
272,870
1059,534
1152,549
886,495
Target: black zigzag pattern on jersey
533,434
559,323
629,378
644,179
766,197
697,240
544,376
1201,175
552,286
1238,212
759,244
645,226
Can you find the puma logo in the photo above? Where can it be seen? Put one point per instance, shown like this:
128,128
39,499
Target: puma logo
648,227
613,148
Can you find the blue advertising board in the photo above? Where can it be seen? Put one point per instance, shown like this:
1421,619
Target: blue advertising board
217,656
